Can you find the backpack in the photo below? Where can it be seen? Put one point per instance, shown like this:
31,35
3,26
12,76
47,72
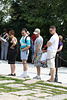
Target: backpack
31,42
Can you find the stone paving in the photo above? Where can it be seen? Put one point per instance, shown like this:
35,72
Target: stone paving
16,88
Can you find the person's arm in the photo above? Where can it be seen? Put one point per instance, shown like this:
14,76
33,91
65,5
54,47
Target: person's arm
28,44
49,43
7,36
25,48
60,48
38,48
14,43
1,40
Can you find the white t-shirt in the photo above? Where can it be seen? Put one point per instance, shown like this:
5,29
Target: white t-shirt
44,56
55,41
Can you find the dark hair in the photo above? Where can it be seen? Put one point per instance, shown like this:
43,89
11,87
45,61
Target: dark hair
5,30
11,32
24,29
53,27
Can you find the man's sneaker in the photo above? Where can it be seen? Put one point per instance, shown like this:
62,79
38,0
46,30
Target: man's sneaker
36,77
24,76
12,75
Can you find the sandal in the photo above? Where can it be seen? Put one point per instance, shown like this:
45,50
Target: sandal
48,81
12,75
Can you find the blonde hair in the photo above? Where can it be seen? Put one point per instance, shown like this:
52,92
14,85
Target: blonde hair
60,38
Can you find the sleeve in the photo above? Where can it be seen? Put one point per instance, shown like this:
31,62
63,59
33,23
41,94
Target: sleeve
61,44
39,42
52,39
28,41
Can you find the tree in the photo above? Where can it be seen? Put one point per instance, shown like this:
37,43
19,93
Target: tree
37,13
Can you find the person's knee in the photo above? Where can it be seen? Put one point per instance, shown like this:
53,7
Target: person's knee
38,67
24,62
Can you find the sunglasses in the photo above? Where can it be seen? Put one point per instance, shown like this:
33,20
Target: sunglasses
50,30
22,33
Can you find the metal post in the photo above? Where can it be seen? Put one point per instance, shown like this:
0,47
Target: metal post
56,75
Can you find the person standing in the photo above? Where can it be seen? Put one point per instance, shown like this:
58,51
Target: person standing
52,45
33,38
37,52
24,49
59,51
12,52
4,45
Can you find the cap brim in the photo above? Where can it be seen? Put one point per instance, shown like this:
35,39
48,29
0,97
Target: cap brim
35,33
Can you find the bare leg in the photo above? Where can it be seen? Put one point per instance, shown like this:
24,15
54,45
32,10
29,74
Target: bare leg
13,67
25,66
52,71
38,70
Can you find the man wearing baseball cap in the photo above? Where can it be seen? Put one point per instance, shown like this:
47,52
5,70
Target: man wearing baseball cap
37,52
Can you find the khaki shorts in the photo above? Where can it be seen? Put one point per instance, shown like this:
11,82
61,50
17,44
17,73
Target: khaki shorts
37,60
51,59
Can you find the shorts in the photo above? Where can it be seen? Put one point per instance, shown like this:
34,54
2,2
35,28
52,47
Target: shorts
51,59
12,54
37,60
24,55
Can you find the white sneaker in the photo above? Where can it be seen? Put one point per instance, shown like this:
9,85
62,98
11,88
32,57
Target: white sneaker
36,77
24,76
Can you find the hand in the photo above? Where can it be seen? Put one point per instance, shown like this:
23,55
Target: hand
34,56
11,47
22,49
3,42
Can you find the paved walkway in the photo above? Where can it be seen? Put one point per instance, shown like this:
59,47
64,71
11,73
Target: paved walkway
16,88
5,70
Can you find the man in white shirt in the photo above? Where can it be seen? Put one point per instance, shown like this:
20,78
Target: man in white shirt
52,45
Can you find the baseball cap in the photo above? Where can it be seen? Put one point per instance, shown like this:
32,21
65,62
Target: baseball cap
37,30
28,32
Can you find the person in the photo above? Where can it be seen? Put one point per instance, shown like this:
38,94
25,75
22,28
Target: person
44,57
37,51
4,45
33,38
59,51
24,49
52,45
12,52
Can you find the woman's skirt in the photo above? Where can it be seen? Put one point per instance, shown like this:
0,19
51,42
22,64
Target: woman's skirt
12,54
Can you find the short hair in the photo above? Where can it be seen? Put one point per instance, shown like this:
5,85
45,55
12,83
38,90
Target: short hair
5,30
60,38
53,27
24,30
12,32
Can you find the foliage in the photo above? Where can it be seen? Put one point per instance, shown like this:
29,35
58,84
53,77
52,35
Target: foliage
37,13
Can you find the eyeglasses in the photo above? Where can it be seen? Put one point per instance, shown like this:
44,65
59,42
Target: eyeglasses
50,30
22,33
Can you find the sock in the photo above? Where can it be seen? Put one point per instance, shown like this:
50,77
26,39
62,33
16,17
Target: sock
38,76
25,72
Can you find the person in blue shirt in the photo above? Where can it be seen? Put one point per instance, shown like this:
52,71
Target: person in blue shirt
24,49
